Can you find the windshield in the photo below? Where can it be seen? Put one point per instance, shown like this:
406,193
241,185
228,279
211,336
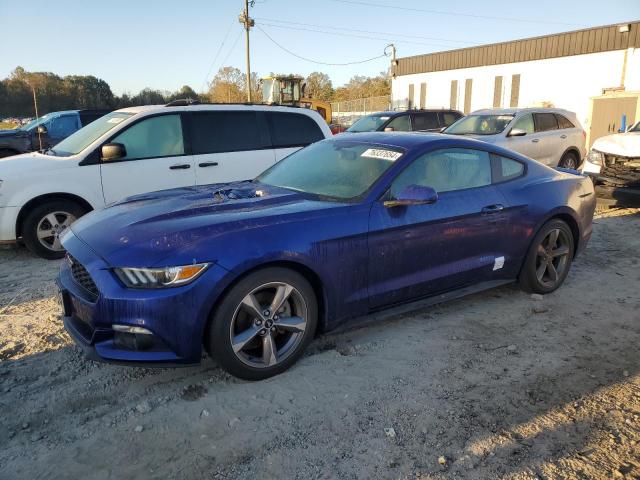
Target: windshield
635,128
480,125
370,123
36,121
87,135
337,169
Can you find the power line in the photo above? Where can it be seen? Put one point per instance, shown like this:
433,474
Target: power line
455,14
316,61
357,36
346,29
204,82
235,42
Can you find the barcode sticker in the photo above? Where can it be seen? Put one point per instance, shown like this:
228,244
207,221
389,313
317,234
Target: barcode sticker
380,153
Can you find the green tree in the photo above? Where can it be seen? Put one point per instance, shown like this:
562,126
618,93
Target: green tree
319,86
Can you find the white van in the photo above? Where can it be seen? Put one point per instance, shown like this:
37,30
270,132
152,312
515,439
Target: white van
143,149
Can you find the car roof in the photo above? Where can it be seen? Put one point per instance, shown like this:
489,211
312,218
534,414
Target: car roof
147,109
514,111
395,113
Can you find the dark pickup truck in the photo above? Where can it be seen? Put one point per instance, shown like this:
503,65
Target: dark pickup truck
51,129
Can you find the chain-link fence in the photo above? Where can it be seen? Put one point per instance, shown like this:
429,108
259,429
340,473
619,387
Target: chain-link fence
347,111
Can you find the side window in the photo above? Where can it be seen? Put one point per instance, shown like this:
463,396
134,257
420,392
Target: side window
220,131
292,129
506,169
563,122
545,122
446,171
154,137
425,121
525,123
400,124
64,126
447,118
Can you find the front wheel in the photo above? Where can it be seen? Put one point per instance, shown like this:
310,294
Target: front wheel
263,324
549,258
42,227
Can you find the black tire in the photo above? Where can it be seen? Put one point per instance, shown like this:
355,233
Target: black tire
529,278
33,220
569,160
218,341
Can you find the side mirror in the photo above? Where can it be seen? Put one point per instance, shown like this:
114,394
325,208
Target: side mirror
517,132
413,195
42,130
389,129
113,151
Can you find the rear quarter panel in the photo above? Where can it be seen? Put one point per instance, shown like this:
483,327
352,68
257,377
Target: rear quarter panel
544,194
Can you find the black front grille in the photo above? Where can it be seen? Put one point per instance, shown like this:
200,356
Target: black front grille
620,172
82,277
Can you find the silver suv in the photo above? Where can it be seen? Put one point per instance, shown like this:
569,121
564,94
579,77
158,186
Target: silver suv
549,135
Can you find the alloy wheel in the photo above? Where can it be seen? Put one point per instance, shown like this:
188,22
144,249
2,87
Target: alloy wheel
50,228
552,258
268,324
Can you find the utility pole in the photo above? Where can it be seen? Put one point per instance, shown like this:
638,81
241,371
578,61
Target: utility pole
248,22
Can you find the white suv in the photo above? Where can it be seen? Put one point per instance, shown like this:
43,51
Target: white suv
143,149
552,136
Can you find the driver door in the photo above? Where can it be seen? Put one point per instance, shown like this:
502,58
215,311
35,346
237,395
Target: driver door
155,159
422,250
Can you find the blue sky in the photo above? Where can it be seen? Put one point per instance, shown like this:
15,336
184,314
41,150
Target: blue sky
163,44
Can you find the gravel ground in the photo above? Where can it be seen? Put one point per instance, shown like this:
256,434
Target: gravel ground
497,385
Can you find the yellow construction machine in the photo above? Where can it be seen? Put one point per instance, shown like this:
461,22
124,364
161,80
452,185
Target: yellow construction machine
289,90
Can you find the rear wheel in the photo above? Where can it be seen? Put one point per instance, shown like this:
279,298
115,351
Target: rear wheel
549,258
263,324
42,227
569,160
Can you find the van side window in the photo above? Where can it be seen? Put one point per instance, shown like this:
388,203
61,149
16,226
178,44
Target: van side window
292,130
153,137
220,131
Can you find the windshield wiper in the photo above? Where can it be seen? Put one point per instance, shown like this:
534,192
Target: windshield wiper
50,151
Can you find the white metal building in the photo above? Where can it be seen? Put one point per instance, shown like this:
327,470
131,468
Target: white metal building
594,72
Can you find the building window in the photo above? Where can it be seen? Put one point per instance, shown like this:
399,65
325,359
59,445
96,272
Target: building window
453,103
515,90
423,95
497,92
411,96
468,87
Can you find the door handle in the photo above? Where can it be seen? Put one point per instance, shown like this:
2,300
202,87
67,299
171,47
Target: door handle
563,136
208,164
183,166
489,209
535,140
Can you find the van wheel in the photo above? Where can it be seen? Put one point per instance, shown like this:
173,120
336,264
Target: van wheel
548,259
569,160
42,227
263,324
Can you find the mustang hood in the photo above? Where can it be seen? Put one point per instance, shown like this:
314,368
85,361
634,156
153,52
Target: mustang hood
145,230
619,144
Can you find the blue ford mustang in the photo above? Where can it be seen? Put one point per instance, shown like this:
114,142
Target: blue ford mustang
252,270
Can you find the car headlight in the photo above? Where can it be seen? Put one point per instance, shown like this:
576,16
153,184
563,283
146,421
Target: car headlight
595,157
160,277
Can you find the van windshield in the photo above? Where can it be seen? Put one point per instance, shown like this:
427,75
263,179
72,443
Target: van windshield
84,137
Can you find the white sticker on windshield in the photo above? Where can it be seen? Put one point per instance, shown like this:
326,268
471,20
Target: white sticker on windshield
383,154
115,120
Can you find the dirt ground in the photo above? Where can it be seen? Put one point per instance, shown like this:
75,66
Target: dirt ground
496,385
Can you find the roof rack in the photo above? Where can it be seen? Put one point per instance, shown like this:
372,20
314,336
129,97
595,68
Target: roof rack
185,102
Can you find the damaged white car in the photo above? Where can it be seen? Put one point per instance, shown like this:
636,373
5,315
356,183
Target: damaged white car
614,163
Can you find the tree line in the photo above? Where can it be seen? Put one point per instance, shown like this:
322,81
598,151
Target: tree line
72,92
